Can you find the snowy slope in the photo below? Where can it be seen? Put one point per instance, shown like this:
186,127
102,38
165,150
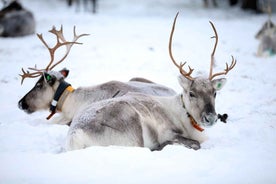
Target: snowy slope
130,38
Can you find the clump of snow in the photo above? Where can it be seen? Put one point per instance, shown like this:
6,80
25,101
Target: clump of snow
129,39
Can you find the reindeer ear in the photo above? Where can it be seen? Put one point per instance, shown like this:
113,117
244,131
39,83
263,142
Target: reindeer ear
49,78
64,72
218,83
184,82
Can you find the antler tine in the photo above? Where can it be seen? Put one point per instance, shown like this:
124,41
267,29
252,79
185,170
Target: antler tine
59,36
51,50
35,69
182,71
78,36
61,41
214,50
227,69
27,74
69,45
58,33
185,74
170,41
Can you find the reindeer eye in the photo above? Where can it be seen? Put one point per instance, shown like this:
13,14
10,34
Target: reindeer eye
192,94
215,94
38,85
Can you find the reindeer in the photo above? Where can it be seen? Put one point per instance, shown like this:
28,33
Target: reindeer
267,36
144,120
85,4
52,92
16,21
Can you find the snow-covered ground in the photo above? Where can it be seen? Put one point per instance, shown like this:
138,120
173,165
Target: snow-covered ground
127,39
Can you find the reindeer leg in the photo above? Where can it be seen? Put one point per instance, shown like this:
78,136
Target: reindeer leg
215,3
161,146
189,143
260,50
94,3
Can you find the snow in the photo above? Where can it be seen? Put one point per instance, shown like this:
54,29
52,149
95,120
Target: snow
129,39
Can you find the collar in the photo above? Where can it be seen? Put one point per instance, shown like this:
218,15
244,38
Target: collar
192,120
63,90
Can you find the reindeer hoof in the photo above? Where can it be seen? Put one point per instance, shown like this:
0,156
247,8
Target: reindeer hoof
193,144
189,143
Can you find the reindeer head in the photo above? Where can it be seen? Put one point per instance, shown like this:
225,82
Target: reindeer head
12,7
199,93
42,94
268,29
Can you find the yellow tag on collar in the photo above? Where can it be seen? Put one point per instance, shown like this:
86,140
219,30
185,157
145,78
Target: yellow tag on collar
70,89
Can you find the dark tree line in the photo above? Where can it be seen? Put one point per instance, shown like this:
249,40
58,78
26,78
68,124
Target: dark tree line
245,4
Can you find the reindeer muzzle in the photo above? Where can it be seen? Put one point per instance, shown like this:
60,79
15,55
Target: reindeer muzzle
24,106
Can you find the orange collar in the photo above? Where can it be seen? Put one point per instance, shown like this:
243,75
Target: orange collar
192,120
195,125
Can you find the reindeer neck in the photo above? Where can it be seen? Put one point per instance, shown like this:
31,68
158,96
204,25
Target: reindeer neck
179,112
63,90
192,120
180,118
78,99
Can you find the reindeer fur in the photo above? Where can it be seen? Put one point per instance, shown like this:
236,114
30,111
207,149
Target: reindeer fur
16,21
40,97
267,37
144,120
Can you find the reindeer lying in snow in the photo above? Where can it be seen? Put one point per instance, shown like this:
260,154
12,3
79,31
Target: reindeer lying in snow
143,120
54,93
16,21
135,119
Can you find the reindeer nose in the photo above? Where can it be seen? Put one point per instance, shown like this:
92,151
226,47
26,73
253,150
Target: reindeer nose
210,118
22,104
209,109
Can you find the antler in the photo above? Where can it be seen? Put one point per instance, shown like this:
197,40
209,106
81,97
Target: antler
61,41
27,74
182,71
227,69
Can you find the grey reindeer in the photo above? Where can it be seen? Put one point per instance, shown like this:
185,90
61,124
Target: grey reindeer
16,21
52,92
145,120
267,35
